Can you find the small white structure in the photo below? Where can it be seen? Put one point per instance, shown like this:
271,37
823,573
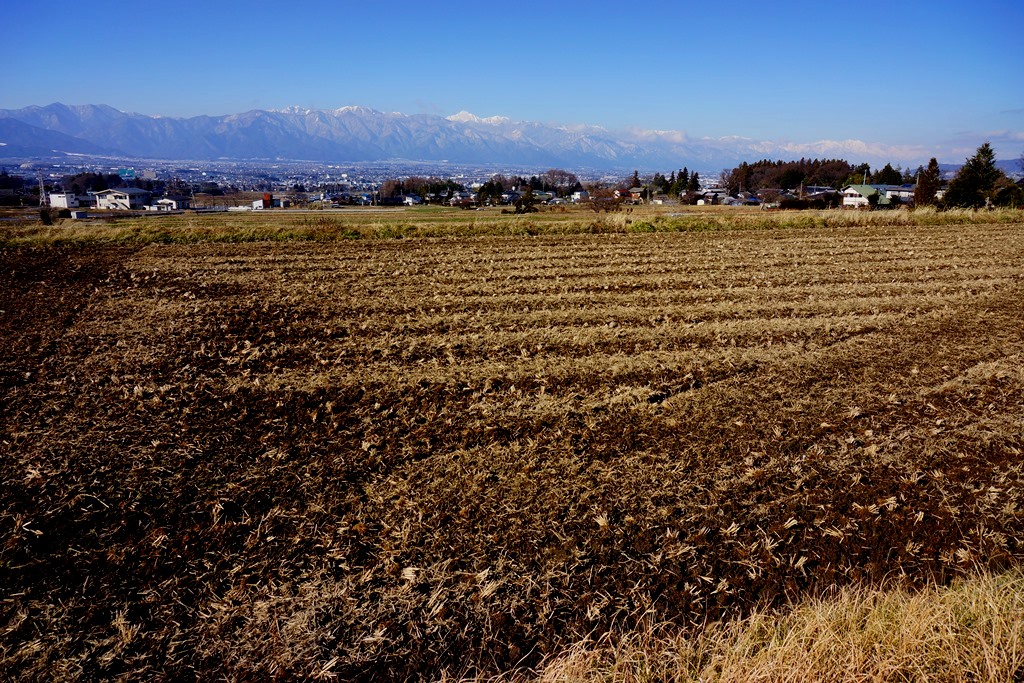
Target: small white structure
64,200
580,196
260,204
167,204
173,203
124,198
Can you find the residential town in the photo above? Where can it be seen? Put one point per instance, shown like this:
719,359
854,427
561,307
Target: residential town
236,186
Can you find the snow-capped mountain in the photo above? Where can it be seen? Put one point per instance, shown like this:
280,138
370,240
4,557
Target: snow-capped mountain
356,133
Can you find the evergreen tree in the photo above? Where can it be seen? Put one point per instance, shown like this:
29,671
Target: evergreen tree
490,192
887,176
858,175
679,183
1009,195
694,184
739,179
791,178
929,181
8,182
975,182
659,184
527,202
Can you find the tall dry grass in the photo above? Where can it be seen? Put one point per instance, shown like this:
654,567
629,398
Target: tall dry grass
433,223
972,630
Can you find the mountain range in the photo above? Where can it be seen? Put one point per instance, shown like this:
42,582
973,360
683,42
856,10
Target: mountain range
361,134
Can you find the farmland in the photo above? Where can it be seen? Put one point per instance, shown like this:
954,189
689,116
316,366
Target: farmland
457,451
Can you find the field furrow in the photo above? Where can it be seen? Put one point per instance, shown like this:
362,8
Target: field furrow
405,456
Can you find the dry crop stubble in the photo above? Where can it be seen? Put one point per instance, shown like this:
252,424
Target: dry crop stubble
393,458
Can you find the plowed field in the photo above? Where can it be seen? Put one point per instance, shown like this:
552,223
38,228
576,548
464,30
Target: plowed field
394,458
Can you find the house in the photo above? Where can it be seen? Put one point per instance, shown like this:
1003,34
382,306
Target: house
904,193
269,202
712,196
858,196
580,196
412,200
64,200
169,204
123,198
175,203
463,199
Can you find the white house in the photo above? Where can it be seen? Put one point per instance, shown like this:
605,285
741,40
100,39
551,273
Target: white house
856,196
169,204
123,198
905,193
64,200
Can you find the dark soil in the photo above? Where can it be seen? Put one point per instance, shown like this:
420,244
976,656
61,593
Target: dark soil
388,460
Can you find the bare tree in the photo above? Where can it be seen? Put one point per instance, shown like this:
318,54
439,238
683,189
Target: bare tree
559,178
390,188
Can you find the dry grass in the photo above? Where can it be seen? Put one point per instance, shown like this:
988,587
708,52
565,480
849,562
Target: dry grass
972,630
425,222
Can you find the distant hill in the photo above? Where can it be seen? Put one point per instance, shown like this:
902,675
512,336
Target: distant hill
361,134
19,139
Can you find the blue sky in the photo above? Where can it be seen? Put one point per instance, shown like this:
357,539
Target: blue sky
940,75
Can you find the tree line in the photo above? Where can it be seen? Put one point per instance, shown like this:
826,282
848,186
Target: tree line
978,183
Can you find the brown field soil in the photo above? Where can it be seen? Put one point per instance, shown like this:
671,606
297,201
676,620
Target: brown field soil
396,458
